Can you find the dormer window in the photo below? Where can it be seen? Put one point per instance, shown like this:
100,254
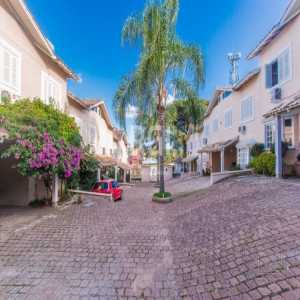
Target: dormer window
226,94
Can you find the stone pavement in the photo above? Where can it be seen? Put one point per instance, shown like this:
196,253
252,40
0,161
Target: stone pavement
237,240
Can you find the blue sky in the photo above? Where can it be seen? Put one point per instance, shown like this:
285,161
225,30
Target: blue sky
86,35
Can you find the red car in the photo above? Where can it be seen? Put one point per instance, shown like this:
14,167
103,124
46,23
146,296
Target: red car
108,186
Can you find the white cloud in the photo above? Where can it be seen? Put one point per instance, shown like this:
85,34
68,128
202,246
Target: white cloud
79,78
170,99
131,112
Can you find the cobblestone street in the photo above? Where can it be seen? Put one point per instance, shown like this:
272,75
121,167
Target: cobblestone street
237,240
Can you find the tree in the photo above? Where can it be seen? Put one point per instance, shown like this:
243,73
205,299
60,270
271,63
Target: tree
165,62
184,116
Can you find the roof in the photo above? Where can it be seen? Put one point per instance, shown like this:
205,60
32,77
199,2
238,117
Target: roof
216,147
29,24
286,105
246,79
237,86
218,91
92,103
292,11
190,158
106,161
76,99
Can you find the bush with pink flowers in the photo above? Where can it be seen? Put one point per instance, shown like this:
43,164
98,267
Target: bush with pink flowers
45,141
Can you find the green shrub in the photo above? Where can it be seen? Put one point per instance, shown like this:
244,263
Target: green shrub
257,149
264,164
163,195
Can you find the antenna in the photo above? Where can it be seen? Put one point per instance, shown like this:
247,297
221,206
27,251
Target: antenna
234,59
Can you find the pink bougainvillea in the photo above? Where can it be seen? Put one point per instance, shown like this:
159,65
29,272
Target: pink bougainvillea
47,155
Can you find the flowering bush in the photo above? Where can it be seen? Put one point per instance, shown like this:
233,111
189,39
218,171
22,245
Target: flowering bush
40,155
46,141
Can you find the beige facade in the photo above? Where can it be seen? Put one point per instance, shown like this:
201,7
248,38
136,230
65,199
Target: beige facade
29,68
149,171
108,143
236,116
96,128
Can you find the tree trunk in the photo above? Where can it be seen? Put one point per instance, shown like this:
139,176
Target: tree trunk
184,147
157,158
161,120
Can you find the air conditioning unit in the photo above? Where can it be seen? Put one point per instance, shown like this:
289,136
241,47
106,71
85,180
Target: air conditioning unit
242,129
205,141
276,94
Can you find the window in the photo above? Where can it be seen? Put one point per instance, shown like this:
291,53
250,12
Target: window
206,129
288,132
247,111
226,94
103,151
269,135
215,125
278,71
114,184
228,119
10,68
92,135
243,157
51,91
111,152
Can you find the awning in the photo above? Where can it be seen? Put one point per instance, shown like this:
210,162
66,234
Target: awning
246,143
106,161
190,158
217,147
123,166
286,105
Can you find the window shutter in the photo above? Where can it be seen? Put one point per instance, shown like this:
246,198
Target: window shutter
284,66
266,136
286,59
14,66
6,67
269,76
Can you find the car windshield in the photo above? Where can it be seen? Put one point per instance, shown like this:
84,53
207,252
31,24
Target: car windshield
101,185
114,184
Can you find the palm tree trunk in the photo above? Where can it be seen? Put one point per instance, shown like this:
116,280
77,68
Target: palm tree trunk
157,158
161,120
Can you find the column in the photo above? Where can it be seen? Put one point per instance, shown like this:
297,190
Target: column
116,173
201,165
55,188
222,160
99,174
278,146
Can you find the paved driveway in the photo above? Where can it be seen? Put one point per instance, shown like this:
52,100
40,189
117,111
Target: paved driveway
237,240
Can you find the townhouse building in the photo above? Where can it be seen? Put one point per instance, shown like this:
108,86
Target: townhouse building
279,57
29,68
263,107
96,128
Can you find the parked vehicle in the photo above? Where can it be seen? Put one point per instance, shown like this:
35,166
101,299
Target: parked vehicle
108,186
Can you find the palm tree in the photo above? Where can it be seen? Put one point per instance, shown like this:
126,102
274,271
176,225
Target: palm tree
184,116
164,63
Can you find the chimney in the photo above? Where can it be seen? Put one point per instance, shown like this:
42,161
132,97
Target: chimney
234,59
